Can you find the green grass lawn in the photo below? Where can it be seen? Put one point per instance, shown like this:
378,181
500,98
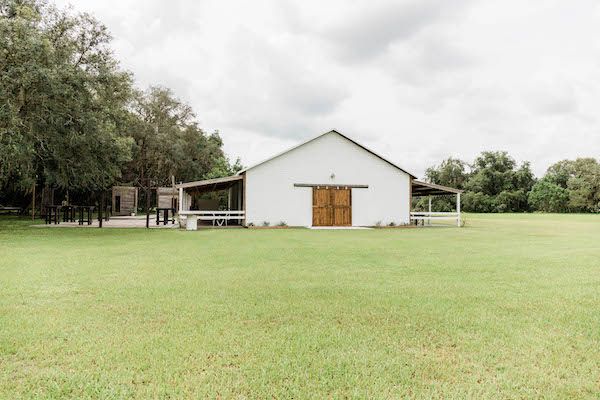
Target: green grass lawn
507,307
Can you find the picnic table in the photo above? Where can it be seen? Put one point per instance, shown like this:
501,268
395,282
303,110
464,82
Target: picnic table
9,210
165,212
52,214
85,214
68,212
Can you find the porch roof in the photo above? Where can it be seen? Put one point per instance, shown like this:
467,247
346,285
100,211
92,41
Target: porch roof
211,184
420,188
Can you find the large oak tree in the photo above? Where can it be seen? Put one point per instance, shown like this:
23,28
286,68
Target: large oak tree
63,100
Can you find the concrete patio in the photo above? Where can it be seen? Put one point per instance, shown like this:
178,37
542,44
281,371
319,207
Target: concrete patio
116,222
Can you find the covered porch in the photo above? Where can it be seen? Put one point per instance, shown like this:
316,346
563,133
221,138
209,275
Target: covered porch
224,208
421,189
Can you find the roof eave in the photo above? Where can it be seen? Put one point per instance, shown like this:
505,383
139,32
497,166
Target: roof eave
206,182
437,187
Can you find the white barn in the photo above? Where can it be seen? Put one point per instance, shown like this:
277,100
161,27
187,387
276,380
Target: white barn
329,180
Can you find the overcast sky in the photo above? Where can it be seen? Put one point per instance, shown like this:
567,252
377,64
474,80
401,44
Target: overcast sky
415,80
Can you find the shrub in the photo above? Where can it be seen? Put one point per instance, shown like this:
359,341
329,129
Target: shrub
392,223
282,223
266,223
477,202
548,197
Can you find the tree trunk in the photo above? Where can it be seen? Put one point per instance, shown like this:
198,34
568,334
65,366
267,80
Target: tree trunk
33,203
100,210
147,207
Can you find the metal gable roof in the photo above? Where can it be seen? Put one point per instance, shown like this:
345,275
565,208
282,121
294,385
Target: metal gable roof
207,182
318,136
420,188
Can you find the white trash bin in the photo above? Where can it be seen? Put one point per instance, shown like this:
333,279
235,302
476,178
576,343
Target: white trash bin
192,223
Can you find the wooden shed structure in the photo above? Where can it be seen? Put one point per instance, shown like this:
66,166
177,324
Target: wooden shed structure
167,197
124,200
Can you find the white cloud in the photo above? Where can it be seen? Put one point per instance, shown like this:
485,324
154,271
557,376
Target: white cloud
371,30
271,88
417,80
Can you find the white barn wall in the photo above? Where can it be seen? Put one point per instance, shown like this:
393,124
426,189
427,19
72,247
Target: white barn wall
271,195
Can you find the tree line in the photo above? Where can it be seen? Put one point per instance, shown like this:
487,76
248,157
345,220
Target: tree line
71,118
495,183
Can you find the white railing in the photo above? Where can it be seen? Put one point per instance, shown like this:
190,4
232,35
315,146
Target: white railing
218,217
427,216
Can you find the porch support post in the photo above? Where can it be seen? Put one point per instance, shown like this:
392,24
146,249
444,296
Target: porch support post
458,209
410,196
239,189
180,199
244,199
429,220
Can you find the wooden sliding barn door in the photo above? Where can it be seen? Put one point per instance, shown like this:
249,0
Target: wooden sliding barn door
332,206
322,215
342,206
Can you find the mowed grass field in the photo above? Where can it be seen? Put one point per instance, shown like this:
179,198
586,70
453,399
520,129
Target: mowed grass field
507,307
